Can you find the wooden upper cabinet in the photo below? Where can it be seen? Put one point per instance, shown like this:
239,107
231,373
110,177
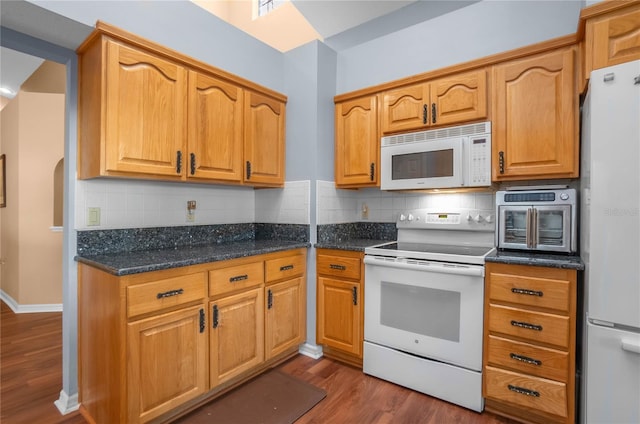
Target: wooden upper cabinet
215,129
612,34
149,112
405,108
145,107
357,143
448,100
535,117
264,139
459,98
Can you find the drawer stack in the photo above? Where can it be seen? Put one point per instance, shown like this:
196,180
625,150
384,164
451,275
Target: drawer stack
529,342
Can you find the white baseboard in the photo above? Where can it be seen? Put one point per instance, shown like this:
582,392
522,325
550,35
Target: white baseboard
312,351
25,309
66,403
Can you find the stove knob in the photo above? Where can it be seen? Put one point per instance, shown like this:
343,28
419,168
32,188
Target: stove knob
410,217
469,217
402,217
477,218
489,219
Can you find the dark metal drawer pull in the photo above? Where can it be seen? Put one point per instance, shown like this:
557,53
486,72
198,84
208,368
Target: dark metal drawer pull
525,359
523,391
527,292
526,325
169,293
269,299
238,278
340,267
286,267
354,293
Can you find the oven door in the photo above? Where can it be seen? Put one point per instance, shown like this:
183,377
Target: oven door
430,309
425,164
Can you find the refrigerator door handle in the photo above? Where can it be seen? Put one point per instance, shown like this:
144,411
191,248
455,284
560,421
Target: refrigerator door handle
630,346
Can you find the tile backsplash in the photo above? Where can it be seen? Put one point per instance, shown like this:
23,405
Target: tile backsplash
145,204
337,206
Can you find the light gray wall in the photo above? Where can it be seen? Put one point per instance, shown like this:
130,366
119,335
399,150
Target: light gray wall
187,28
482,29
36,47
310,83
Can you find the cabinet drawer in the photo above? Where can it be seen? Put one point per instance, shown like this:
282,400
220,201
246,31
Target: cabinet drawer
527,358
157,295
532,392
234,278
535,326
339,266
530,291
281,268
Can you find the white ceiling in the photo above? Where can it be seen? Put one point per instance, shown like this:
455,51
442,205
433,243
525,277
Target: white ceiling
331,17
15,68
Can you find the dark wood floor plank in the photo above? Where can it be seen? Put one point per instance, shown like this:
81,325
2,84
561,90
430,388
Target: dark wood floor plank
31,379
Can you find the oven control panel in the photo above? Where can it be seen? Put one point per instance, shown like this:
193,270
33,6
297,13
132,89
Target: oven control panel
458,219
443,218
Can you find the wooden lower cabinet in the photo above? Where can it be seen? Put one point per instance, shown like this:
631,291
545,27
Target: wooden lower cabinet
153,346
340,311
530,342
167,362
237,335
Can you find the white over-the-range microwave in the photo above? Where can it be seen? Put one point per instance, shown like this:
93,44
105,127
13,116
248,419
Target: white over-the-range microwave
451,157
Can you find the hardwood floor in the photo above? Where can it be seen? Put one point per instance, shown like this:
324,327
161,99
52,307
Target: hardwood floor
31,368
31,379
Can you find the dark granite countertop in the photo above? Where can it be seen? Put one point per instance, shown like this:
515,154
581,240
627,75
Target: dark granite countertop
537,259
357,245
126,263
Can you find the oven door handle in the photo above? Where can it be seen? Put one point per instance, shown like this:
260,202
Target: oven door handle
474,271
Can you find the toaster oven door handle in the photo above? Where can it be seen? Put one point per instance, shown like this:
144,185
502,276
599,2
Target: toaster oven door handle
528,230
534,228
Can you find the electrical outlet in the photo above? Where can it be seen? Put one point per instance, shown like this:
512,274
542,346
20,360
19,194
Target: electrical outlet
364,211
191,211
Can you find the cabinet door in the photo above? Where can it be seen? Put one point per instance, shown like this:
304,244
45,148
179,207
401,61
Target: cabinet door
356,143
406,108
338,310
237,335
264,140
459,98
284,325
167,362
145,112
613,38
215,129
534,117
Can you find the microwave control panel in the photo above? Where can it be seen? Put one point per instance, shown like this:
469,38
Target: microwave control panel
480,161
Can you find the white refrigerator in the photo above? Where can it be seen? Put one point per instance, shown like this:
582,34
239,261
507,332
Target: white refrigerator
610,246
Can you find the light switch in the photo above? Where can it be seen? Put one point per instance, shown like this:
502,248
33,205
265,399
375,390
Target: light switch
93,217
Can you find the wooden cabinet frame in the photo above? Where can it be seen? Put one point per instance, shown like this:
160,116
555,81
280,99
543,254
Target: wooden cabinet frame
130,327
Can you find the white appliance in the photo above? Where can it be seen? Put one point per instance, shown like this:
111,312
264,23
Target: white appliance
442,158
541,218
424,302
610,246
